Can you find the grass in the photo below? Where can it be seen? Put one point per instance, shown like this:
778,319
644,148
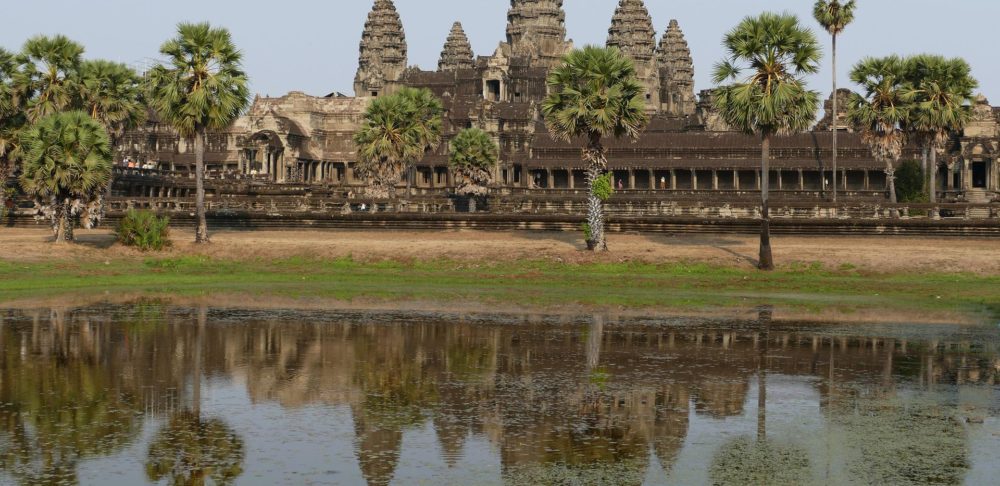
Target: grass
523,283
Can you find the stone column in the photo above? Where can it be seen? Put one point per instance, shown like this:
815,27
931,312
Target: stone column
844,179
757,176
867,181
631,179
673,179
572,178
736,180
715,180
653,183
549,181
802,179
694,179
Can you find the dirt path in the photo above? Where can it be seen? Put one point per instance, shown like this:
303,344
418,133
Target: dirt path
866,253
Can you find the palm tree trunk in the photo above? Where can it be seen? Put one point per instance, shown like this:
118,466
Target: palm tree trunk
68,219
201,234
596,165
933,168
834,119
890,180
766,259
923,162
59,218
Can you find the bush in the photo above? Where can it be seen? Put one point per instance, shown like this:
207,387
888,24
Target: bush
144,230
603,188
910,182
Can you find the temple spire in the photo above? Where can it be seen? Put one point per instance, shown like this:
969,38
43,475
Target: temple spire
537,29
382,58
676,72
457,53
632,32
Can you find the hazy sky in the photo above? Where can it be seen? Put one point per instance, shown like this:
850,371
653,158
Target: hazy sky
312,45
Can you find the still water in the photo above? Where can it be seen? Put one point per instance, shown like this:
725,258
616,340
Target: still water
147,393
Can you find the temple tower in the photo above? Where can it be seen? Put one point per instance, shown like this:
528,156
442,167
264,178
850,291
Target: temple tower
537,29
457,53
382,57
632,32
676,73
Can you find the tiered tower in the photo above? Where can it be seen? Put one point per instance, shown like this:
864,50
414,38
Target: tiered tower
537,29
632,32
676,73
457,53
382,58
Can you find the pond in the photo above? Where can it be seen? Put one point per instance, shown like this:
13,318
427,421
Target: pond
154,393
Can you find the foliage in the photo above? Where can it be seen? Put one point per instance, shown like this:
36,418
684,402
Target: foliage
594,93
910,182
397,131
473,155
833,15
769,56
941,89
203,84
604,187
112,93
883,108
144,230
46,81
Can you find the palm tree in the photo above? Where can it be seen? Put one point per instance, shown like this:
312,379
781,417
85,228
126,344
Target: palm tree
66,157
882,110
594,94
396,132
11,120
834,17
47,78
202,87
112,93
473,155
768,57
429,121
943,87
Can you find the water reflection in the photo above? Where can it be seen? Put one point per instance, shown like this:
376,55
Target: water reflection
216,397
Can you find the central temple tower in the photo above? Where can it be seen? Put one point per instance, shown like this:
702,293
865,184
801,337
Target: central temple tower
536,29
382,56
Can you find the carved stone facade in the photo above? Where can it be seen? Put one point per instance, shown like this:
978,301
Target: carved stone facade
686,147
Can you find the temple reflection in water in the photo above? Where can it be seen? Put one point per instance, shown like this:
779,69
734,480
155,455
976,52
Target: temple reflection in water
196,396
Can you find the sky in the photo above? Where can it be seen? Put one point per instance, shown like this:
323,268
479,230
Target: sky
312,45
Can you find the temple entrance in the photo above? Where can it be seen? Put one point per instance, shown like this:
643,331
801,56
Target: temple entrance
979,175
264,156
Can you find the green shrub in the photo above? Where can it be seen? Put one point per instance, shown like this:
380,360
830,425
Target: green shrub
603,187
144,230
586,231
910,182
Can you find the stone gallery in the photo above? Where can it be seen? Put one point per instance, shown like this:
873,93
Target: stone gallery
686,148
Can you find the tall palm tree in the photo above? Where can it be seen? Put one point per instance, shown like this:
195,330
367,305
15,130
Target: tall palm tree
595,94
65,157
113,94
834,17
396,132
429,112
202,87
943,88
473,155
768,57
11,120
46,80
882,110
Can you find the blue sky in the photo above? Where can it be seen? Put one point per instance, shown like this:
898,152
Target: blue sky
312,45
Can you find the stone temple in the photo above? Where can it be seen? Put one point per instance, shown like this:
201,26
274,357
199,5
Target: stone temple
306,140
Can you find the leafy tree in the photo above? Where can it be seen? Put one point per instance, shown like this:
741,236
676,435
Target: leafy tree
768,57
473,155
594,94
910,182
202,87
112,93
942,89
396,132
47,77
66,159
834,17
11,121
882,110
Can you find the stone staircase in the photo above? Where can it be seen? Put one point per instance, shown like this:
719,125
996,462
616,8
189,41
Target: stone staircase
977,196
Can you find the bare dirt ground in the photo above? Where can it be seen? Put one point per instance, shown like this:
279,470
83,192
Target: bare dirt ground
876,254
